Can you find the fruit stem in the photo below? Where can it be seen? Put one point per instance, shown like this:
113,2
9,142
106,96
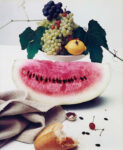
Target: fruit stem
93,118
115,55
101,132
77,42
27,20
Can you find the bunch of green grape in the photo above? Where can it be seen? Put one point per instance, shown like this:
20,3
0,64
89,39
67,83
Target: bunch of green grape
52,42
52,38
67,25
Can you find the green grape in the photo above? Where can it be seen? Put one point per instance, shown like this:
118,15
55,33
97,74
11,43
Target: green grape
52,38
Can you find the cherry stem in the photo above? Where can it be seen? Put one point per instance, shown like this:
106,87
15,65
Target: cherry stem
93,118
101,132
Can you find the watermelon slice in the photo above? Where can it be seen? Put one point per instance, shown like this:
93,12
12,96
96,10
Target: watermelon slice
59,83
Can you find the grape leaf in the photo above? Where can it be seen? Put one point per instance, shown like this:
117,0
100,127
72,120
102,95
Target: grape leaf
79,33
96,35
35,45
94,39
26,37
86,52
32,49
39,33
96,53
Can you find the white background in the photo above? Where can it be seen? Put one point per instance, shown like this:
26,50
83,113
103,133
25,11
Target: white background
109,13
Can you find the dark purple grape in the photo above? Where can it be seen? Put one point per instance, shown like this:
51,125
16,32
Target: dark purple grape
53,8
58,10
50,11
61,11
45,13
55,15
49,17
63,52
59,4
47,7
68,12
43,9
50,3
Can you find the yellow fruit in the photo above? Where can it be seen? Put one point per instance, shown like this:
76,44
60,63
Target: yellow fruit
75,47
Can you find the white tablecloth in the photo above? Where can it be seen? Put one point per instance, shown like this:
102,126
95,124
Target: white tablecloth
109,104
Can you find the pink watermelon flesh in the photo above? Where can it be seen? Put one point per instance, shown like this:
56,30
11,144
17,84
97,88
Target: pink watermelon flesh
59,78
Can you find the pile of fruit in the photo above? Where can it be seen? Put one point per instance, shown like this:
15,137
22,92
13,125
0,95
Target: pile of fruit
58,37
58,34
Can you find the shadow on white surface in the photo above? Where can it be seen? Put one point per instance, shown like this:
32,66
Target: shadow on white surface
97,102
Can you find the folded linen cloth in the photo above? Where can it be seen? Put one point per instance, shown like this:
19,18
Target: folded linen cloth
22,118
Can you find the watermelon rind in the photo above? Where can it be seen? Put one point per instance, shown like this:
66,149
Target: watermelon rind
90,93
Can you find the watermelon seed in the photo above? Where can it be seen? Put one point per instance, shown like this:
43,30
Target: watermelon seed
69,80
60,81
37,77
57,80
106,119
83,132
75,78
98,145
64,81
33,75
46,80
81,118
30,75
87,133
81,78
41,78
54,80
49,79
85,77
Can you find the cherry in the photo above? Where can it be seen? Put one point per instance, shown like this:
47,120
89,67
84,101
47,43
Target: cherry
64,14
92,126
58,22
70,38
52,27
58,26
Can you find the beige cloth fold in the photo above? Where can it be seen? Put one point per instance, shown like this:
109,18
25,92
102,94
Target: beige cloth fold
22,118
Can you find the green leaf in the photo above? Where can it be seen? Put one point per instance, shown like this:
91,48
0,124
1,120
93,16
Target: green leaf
32,49
96,53
35,44
26,37
86,52
79,33
96,35
39,33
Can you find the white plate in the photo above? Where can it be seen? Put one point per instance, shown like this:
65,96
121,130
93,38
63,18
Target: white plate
61,57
